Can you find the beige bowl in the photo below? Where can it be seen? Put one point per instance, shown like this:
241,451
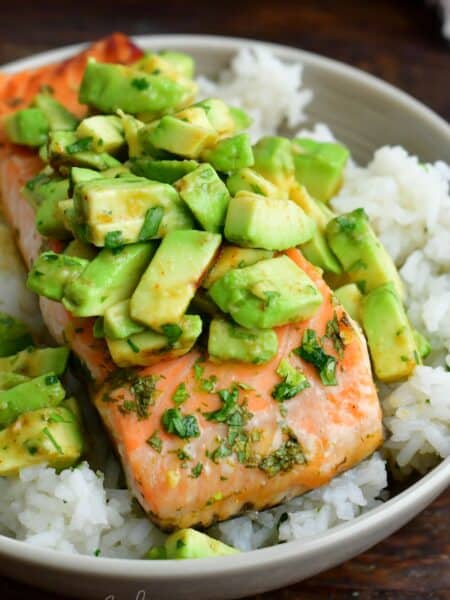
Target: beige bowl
365,113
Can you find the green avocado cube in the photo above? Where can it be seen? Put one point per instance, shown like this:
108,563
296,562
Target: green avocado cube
267,294
14,335
165,171
389,334
273,160
81,175
248,180
319,166
174,274
364,259
423,345
234,257
109,87
34,362
131,127
51,272
219,115
228,341
150,347
41,392
48,435
111,277
125,210
28,127
255,221
117,323
66,149
231,153
206,196
59,118
181,62
317,251
105,131
10,380
350,297
318,211
189,543
49,220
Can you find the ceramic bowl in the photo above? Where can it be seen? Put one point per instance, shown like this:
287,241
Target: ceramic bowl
364,113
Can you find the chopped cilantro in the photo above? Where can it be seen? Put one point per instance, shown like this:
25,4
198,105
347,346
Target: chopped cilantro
51,380
284,458
198,371
155,442
173,332
271,297
311,351
222,451
83,145
184,426
113,240
333,333
152,221
209,384
140,83
55,444
97,552
197,470
180,395
133,345
294,381
143,389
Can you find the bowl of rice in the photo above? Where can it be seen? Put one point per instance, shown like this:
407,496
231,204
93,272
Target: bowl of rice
78,532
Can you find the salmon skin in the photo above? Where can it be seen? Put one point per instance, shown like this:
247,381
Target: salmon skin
230,446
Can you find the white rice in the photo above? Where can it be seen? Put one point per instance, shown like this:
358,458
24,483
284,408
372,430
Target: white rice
409,206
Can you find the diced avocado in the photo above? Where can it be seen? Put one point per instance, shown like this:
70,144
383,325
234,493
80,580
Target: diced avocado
59,118
51,272
80,250
109,87
422,344
41,392
34,362
48,435
131,127
318,211
219,116
28,127
181,62
317,251
150,347
71,223
187,133
267,294
71,404
111,277
360,252
14,335
189,543
233,257
49,221
65,148
273,160
81,175
231,153
251,181
105,131
255,221
117,323
389,334
165,171
206,196
228,341
124,210
170,281
351,299
10,380
319,166
241,119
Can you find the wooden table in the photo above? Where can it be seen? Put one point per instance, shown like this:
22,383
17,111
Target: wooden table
396,40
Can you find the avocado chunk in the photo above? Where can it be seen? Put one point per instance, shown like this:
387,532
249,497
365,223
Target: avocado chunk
360,252
49,435
111,277
206,195
228,341
34,362
267,294
125,210
318,211
181,62
109,87
118,324
40,392
51,272
131,127
59,118
66,149
105,131
187,134
10,380
80,250
165,171
233,257
219,115
319,166
273,160
317,251
149,347
49,221
250,181
389,334
14,335
255,221
81,175
189,543
71,222
351,299
231,153
170,281
28,127
422,344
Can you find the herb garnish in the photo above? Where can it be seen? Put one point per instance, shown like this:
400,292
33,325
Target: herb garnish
155,442
180,394
311,351
152,221
113,240
83,145
333,333
51,380
55,444
184,426
133,346
143,389
294,381
140,83
197,470
173,332
284,458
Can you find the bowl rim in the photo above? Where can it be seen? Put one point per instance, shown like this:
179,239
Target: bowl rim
390,512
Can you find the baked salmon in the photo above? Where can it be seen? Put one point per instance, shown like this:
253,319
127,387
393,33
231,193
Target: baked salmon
246,449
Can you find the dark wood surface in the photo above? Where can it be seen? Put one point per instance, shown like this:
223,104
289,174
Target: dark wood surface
397,40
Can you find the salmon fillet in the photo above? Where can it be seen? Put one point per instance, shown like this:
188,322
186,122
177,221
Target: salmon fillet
276,450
